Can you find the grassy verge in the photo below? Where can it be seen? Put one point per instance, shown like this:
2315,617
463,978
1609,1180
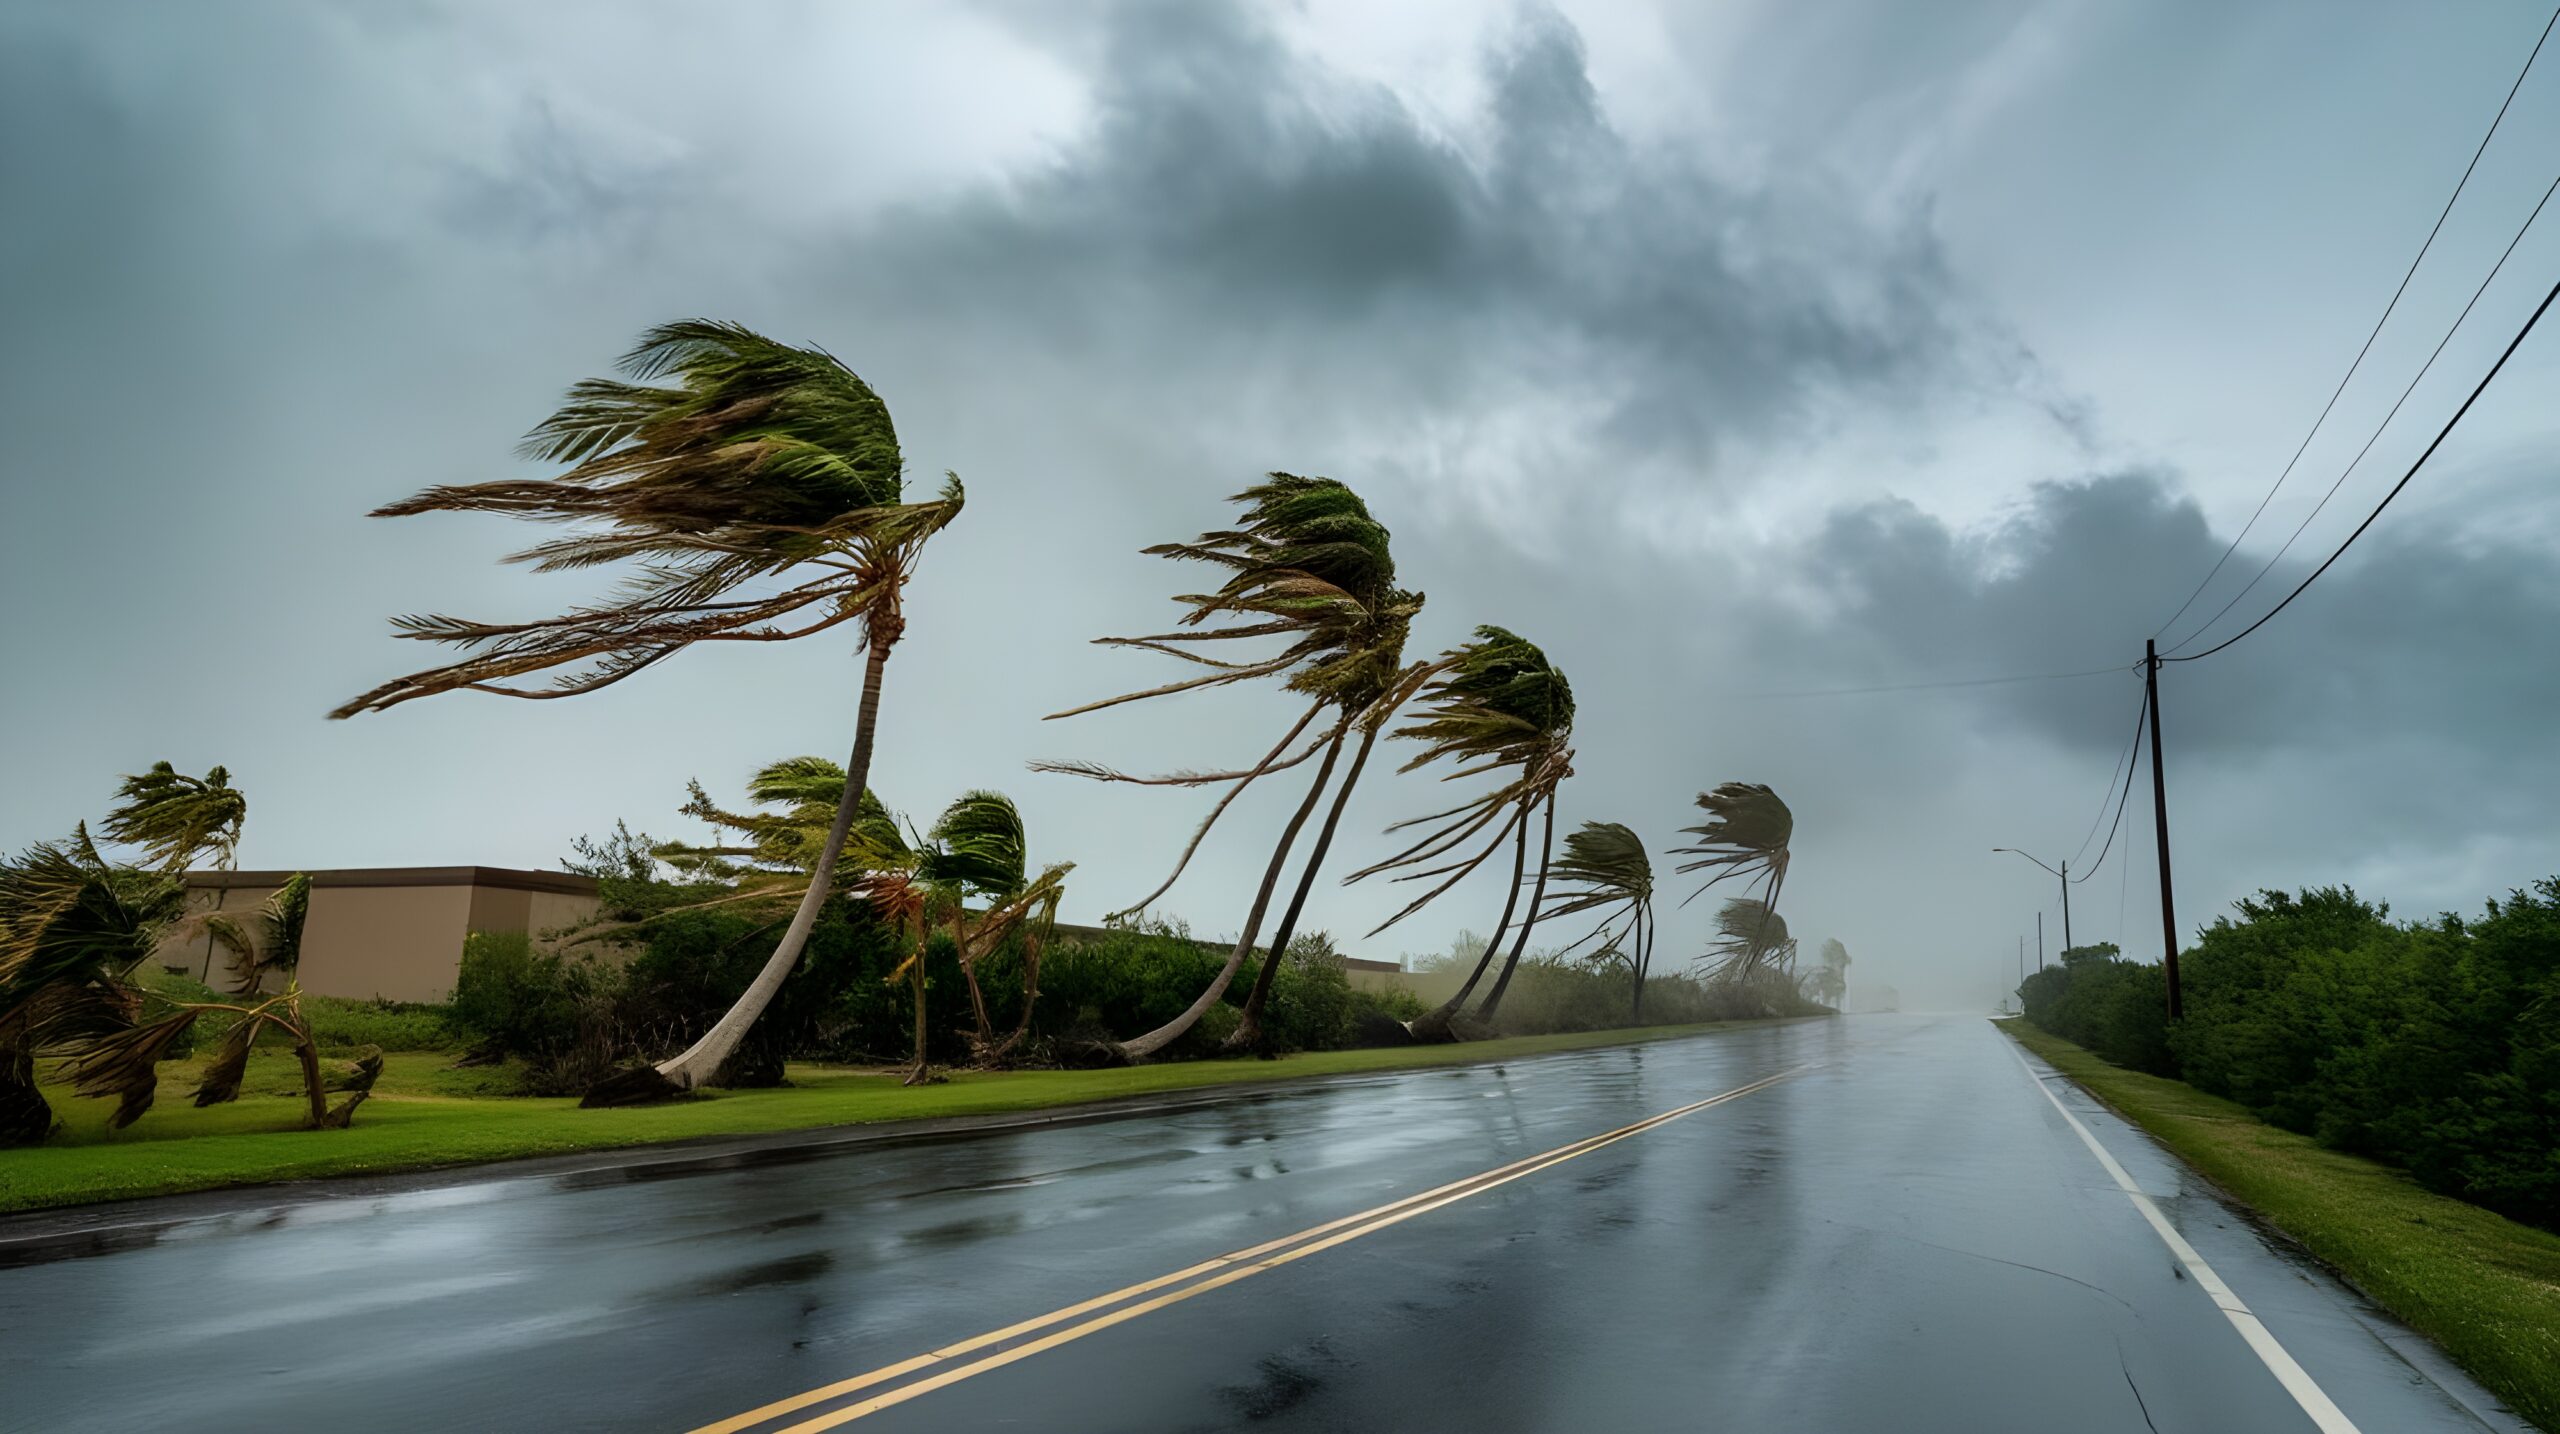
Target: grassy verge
426,1115
2484,1288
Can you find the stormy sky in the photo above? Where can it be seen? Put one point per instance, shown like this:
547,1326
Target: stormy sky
1737,354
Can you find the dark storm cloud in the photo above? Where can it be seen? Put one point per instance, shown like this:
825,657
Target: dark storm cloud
1236,198
2420,633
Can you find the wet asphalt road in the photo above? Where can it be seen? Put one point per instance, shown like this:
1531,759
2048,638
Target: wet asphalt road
1905,1236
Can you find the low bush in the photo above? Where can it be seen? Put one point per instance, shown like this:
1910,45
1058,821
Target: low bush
339,1025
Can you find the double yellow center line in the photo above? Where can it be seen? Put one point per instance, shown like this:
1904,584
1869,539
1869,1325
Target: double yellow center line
997,1348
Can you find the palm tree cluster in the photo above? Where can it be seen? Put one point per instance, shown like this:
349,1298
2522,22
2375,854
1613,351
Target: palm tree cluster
721,457
75,926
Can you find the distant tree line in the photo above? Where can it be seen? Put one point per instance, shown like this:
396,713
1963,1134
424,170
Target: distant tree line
2433,1045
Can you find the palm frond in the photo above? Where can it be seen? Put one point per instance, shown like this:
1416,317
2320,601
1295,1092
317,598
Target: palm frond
176,818
756,460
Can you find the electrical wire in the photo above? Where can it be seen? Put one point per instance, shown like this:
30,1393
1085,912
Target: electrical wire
2101,863
2376,332
2352,464
2108,793
2441,435
1930,686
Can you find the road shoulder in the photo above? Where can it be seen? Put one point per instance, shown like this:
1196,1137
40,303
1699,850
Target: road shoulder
2484,1289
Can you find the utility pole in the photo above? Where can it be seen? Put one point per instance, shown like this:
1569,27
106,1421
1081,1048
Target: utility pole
2022,963
2040,941
2066,906
2160,823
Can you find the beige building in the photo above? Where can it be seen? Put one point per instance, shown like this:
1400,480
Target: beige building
393,933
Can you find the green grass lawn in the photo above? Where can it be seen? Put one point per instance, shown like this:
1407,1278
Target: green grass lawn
425,1114
2484,1288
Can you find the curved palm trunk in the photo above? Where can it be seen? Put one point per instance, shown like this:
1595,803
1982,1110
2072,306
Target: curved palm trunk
1248,1035
969,972
1171,1031
704,1057
1030,998
1434,1024
1520,942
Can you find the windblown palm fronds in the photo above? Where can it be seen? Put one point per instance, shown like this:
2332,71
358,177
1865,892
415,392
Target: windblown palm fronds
976,850
752,460
758,460
175,818
1749,938
1308,564
1494,705
269,939
71,926
1747,833
1605,868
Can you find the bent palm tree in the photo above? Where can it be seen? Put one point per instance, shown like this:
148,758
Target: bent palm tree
977,848
1494,704
71,926
1605,869
1830,982
757,461
1307,563
174,817
1748,833
1750,945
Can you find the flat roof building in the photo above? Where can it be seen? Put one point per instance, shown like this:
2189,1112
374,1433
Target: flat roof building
393,933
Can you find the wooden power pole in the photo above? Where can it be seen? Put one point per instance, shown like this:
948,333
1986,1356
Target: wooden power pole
2160,824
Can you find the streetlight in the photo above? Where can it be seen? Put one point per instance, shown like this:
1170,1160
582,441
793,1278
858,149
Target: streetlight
2065,876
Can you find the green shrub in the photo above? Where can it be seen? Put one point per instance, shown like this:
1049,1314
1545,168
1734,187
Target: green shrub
338,1024
2434,1046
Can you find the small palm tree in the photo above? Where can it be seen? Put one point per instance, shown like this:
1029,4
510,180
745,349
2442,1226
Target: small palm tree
756,460
269,940
71,927
1494,704
1830,981
977,849
974,849
1306,563
1605,869
176,818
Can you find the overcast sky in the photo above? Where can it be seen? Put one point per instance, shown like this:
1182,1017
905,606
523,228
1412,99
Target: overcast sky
1725,351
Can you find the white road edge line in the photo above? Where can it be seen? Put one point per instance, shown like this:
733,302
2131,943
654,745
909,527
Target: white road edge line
2314,1401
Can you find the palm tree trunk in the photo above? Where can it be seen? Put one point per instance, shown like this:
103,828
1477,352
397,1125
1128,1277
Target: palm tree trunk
1030,998
704,1057
1248,1035
1434,1024
1519,943
1166,1034
969,972
915,986
1644,963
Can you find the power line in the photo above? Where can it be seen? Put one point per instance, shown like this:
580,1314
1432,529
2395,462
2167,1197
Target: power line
2101,863
1930,686
2441,434
2387,309
2107,793
2355,462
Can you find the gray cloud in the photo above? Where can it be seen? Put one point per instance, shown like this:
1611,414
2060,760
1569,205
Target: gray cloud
1235,202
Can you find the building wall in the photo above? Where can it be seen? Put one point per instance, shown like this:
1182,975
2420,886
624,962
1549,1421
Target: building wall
391,933
393,943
